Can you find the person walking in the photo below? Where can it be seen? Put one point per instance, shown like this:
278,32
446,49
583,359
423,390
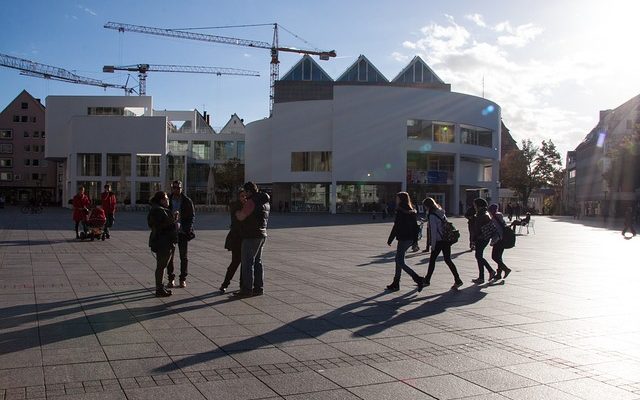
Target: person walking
509,211
254,217
629,222
497,242
483,231
405,230
233,242
437,219
182,207
470,215
109,206
162,238
81,205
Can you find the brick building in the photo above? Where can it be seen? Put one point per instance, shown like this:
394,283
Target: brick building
24,173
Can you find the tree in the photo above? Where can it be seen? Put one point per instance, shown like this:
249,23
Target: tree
229,177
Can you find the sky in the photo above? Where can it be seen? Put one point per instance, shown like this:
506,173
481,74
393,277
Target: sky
551,65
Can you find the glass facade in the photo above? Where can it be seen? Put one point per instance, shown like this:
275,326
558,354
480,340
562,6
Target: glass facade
176,168
311,161
92,189
148,165
145,190
427,168
118,164
359,197
176,146
89,164
122,191
201,149
418,129
310,197
476,136
240,150
226,150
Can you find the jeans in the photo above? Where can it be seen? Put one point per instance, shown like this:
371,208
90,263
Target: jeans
252,271
482,263
183,245
108,224
496,255
401,250
163,257
446,252
236,259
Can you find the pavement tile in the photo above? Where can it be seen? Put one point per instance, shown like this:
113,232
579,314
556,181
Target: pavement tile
143,367
71,356
590,389
302,382
235,389
543,372
77,372
389,391
408,369
447,387
356,376
538,393
496,379
176,392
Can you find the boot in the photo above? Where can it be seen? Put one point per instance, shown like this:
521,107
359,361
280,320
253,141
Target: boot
420,282
162,292
395,286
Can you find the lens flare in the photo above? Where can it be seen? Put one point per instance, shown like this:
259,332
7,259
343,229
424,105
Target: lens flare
425,148
488,110
601,137
387,166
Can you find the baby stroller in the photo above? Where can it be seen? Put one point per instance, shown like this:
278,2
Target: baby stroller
94,225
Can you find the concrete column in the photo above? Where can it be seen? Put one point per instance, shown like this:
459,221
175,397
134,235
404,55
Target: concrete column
495,178
103,171
333,197
456,184
132,181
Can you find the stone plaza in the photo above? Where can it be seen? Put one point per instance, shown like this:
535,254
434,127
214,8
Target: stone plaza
78,320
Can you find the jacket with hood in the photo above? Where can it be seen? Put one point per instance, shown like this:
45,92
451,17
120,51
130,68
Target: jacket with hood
257,209
405,226
436,220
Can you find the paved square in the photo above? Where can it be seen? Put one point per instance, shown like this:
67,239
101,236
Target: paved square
78,320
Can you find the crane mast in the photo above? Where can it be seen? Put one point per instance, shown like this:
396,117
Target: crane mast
274,47
38,70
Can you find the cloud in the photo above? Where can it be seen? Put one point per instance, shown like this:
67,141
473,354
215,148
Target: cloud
87,10
477,19
526,89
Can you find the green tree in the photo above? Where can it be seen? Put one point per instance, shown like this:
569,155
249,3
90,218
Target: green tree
229,177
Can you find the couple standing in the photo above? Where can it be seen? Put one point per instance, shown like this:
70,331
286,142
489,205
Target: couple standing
405,229
246,238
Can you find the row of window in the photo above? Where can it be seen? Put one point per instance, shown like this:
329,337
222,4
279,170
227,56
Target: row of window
90,164
8,134
10,176
418,129
23,118
8,162
311,161
222,150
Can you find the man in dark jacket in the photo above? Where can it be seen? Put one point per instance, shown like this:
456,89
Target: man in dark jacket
181,205
254,216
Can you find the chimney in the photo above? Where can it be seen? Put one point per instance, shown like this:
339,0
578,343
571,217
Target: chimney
208,119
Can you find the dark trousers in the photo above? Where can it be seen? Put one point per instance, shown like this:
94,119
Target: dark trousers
236,259
183,245
163,257
109,223
496,255
401,265
482,262
252,269
628,227
445,248
84,227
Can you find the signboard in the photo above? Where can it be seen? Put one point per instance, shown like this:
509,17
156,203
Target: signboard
437,177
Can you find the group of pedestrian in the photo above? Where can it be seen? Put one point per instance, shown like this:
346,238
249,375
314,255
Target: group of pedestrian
171,220
81,210
486,226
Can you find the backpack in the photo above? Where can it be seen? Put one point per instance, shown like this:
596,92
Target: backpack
508,237
449,232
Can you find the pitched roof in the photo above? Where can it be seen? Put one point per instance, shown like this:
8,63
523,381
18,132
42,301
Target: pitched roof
362,70
306,70
234,124
28,96
417,71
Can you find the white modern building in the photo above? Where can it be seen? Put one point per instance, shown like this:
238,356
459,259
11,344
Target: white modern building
349,144
121,140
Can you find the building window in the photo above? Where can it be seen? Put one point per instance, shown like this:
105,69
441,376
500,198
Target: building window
42,134
33,119
572,174
36,148
429,168
176,168
24,118
487,173
105,111
6,176
35,163
118,164
6,162
443,133
27,148
311,161
6,148
36,134
178,146
89,164
42,148
27,161
201,149
25,134
241,151
144,191
24,106
364,197
91,189
16,118
476,137
309,197
35,177
148,165
224,151
6,134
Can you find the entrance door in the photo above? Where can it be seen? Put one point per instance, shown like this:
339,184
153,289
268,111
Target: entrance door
439,198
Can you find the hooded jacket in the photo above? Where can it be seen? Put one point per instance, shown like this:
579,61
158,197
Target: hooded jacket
436,220
405,226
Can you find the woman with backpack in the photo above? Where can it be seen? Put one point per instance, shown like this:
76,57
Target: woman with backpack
405,229
437,220
483,230
498,241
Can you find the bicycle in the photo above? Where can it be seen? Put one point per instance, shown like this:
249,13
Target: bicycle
32,210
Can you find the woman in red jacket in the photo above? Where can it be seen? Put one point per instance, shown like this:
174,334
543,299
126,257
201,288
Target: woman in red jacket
109,207
80,207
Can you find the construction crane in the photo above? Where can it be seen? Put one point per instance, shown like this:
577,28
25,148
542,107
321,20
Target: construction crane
274,47
142,70
38,70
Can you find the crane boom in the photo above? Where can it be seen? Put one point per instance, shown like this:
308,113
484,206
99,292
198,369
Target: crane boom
38,70
120,27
